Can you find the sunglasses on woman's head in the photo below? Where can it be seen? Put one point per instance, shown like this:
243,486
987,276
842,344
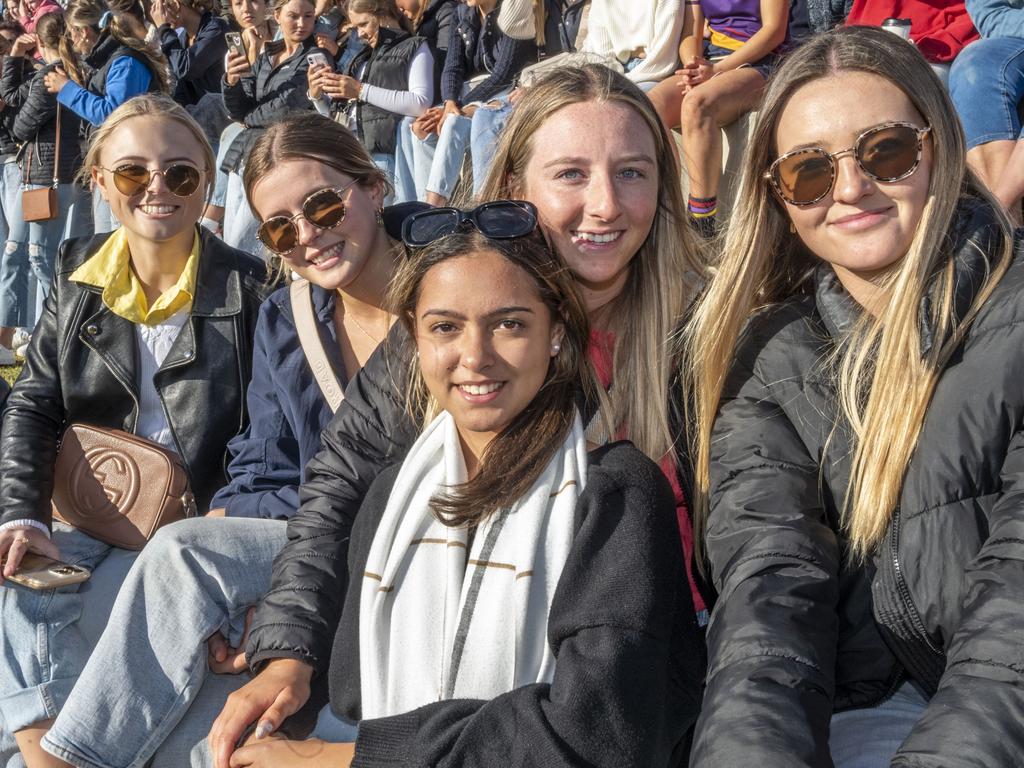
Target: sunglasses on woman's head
132,179
324,209
889,152
498,220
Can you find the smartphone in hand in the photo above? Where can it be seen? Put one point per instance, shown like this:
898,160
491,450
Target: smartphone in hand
39,572
234,40
316,60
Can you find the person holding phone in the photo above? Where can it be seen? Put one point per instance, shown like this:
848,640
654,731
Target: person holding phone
147,329
390,79
196,57
260,95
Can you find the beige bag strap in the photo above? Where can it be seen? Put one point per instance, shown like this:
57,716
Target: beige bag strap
312,345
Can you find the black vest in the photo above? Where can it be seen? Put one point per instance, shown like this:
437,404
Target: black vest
388,68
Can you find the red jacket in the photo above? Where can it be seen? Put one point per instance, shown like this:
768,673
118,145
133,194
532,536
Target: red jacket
940,28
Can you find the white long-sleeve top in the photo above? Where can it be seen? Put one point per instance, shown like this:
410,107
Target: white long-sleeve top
412,102
619,27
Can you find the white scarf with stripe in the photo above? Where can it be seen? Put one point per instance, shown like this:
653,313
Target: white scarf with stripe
434,624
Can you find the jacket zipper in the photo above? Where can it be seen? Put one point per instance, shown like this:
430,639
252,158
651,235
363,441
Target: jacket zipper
904,591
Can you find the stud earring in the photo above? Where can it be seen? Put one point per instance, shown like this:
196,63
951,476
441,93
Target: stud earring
792,228
555,348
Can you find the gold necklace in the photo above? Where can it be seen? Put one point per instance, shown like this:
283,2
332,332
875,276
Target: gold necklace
359,325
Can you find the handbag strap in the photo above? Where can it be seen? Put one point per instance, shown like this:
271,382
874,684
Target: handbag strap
26,169
312,344
56,152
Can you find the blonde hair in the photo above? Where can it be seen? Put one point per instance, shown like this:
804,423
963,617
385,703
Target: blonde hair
155,105
665,273
884,382
123,26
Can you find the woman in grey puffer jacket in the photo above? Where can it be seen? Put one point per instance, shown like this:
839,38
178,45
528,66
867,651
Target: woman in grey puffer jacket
860,433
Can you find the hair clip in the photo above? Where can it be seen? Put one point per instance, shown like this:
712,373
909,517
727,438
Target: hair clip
105,19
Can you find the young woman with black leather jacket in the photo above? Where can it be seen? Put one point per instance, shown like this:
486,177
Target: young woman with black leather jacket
36,127
856,365
148,330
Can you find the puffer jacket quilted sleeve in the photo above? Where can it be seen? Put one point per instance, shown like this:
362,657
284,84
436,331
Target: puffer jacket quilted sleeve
775,560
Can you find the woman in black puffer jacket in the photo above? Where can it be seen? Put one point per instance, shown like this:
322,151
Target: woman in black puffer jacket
857,365
35,126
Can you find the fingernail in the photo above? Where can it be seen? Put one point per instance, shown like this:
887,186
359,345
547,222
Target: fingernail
264,729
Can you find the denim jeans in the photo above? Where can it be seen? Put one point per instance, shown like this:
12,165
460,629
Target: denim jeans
15,303
220,187
48,634
44,237
103,219
411,166
150,667
386,163
239,221
488,124
868,738
986,83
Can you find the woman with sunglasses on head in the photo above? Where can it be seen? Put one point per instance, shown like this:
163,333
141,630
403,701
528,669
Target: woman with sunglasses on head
260,95
477,628
147,329
50,158
611,208
859,428
319,196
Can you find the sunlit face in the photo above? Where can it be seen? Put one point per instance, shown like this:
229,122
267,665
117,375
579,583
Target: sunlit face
331,258
410,8
83,39
484,354
155,214
295,20
596,191
249,13
367,26
862,226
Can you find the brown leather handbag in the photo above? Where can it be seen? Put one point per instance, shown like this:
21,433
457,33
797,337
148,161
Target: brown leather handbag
117,487
42,204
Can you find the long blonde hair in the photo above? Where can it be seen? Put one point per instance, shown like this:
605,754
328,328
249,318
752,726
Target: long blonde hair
665,273
884,382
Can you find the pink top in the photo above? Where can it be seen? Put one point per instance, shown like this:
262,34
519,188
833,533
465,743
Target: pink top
45,7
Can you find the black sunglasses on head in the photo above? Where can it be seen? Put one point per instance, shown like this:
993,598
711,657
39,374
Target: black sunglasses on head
498,220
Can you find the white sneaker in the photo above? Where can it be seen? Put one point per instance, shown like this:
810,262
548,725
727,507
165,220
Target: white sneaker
21,338
20,352
6,356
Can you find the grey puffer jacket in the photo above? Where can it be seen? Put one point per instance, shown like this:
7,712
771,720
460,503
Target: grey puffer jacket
799,632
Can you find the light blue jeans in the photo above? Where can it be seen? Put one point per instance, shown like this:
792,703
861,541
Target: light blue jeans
14,266
48,634
220,187
868,738
240,222
431,164
488,124
147,690
103,219
386,163
44,237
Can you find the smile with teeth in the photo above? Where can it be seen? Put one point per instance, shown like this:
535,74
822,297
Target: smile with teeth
330,253
597,237
156,210
481,389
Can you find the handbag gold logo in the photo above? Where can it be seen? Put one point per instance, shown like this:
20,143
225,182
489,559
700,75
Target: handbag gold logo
107,482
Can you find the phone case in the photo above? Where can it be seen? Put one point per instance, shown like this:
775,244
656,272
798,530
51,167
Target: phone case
38,572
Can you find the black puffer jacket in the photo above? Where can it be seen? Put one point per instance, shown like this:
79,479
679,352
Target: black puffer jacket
82,367
799,632
270,93
23,88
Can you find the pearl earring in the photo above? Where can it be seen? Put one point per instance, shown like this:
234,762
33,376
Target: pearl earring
555,348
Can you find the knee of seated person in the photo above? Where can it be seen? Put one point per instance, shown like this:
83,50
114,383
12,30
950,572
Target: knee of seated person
10,247
696,108
973,67
172,538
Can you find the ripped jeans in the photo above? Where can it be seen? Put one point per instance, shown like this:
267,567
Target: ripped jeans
14,261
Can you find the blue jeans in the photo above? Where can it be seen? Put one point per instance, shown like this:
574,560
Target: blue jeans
149,670
386,163
48,634
44,237
986,83
103,219
868,738
14,265
488,124
410,165
220,187
239,221
431,164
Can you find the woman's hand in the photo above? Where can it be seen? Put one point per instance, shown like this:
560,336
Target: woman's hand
274,694
158,13
450,108
281,753
315,80
328,44
55,80
254,42
427,123
698,71
238,67
23,44
16,541
222,658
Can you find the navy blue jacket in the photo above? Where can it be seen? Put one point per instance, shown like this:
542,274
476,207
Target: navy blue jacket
197,68
287,412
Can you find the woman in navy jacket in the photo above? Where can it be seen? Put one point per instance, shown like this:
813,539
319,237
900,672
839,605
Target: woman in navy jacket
197,61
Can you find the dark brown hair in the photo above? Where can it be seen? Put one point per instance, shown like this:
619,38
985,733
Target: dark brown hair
50,30
519,454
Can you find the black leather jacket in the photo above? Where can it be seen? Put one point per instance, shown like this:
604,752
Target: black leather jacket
81,367
799,631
